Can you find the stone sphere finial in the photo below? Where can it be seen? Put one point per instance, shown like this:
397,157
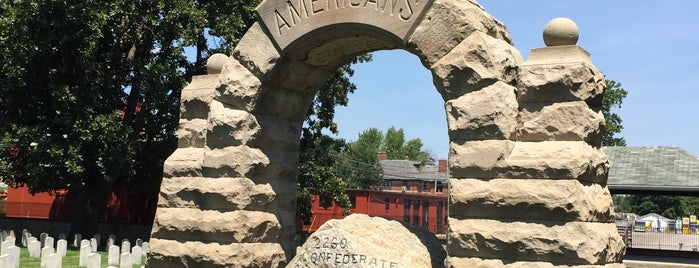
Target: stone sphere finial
214,64
561,32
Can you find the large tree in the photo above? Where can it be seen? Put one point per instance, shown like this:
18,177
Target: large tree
90,97
90,92
359,161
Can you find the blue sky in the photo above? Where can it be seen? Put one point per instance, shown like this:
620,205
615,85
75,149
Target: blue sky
651,47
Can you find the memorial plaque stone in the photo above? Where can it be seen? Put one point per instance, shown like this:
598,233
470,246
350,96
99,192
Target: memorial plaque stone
3,247
381,243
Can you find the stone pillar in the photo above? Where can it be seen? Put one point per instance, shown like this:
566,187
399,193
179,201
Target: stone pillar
533,194
218,206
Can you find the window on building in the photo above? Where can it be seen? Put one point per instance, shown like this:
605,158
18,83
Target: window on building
416,212
406,210
353,200
386,184
440,187
425,214
439,229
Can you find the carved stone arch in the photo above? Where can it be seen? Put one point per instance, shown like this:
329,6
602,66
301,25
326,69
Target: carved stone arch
228,193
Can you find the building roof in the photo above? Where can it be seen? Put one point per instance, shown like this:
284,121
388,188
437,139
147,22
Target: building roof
411,170
652,169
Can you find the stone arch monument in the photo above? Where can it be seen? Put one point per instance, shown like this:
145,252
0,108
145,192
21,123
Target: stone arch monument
527,176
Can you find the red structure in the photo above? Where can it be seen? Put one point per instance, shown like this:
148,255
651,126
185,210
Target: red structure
429,211
412,193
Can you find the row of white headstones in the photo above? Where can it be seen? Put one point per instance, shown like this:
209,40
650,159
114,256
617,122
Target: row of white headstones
124,257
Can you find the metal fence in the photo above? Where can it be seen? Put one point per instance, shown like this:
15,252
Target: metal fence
660,238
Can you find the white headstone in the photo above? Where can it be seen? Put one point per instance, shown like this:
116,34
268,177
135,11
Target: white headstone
136,254
14,251
42,238
77,239
45,251
94,260
54,261
139,242
110,241
85,250
11,239
144,248
49,242
34,248
25,237
3,247
84,242
93,244
125,261
7,260
113,257
61,247
12,234
3,235
125,246
98,237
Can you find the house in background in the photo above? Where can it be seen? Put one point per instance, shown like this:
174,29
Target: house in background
409,176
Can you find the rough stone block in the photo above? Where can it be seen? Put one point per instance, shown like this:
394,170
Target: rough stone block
560,243
184,162
285,103
216,227
562,121
256,51
478,159
456,262
487,114
437,34
216,194
192,133
171,253
478,61
530,199
230,127
556,160
279,133
299,76
195,98
238,86
232,162
560,83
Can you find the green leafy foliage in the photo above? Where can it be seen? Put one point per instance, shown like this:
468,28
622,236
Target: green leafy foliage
91,89
614,96
672,207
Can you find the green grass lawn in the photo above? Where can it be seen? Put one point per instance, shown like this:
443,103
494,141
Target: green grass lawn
71,260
